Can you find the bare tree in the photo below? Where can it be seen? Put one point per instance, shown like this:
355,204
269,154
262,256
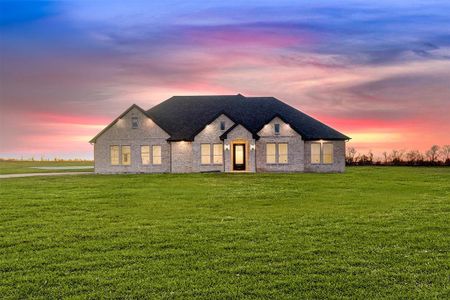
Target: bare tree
351,153
412,156
397,156
433,153
445,153
386,157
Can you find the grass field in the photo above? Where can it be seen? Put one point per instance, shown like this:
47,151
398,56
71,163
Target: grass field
373,232
19,167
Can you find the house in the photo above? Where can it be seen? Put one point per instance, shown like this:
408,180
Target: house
218,134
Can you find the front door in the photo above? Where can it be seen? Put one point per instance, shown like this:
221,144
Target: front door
239,157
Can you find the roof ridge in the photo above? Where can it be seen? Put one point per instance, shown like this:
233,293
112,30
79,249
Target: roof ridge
224,95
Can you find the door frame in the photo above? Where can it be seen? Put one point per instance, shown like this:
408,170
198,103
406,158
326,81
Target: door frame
244,144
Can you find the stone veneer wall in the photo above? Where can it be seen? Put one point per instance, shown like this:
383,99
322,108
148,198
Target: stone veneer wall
181,157
184,157
338,164
210,135
122,134
287,135
240,134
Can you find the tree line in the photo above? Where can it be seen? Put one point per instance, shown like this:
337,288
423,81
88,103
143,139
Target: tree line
435,156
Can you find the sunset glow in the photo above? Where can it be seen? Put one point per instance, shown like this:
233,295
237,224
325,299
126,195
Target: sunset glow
378,72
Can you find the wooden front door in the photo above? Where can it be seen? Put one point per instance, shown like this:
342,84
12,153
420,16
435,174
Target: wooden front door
239,157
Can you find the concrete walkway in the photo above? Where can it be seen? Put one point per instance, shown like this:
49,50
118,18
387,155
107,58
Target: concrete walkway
43,174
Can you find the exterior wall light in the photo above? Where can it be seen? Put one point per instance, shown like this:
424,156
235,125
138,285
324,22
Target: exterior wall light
227,147
252,147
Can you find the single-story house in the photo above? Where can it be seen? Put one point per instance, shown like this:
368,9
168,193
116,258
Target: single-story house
230,133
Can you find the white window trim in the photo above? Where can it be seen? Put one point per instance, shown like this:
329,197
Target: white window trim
205,155
277,153
118,155
321,154
212,155
153,155
121,155
287,153
149,155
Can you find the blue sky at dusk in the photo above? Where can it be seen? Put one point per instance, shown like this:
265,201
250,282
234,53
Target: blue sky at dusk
377,71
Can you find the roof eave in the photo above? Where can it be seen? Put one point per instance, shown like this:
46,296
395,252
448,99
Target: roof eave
94,139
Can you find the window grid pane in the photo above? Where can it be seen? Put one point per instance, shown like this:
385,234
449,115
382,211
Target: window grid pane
156,151
126,155
270,153
315,153
283,153
218,154
114,155
205,153
145,155
327,153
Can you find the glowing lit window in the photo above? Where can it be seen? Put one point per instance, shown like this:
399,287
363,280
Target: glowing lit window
145,155
114,150
315,153
283,153
134,122
218,154
126,155
205,153
222,125
276,128
156,155
270,153
327,152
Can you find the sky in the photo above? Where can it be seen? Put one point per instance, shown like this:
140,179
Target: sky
378,71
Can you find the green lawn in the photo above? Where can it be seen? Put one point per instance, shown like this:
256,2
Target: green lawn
373,232
19,167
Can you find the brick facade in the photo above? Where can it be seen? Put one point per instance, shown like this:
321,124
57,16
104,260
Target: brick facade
122,134
185,156
338,164
286,135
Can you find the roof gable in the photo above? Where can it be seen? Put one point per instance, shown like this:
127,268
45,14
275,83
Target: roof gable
185,116
93,140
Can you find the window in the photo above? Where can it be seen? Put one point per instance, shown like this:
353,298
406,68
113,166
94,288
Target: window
205,153
126,155
156,158
283,153
134,122
222,125
327,153
218,154
114,150
322,153
276,128
145,155
315,153
270,153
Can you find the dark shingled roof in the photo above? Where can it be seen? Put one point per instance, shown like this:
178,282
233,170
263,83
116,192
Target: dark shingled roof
183,117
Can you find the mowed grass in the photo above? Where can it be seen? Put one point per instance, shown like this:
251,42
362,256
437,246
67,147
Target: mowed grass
369,233
20,167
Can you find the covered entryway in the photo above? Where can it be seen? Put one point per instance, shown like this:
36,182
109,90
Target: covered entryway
239,157
239,147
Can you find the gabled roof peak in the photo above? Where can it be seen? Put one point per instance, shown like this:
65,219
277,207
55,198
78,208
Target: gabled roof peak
184,116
